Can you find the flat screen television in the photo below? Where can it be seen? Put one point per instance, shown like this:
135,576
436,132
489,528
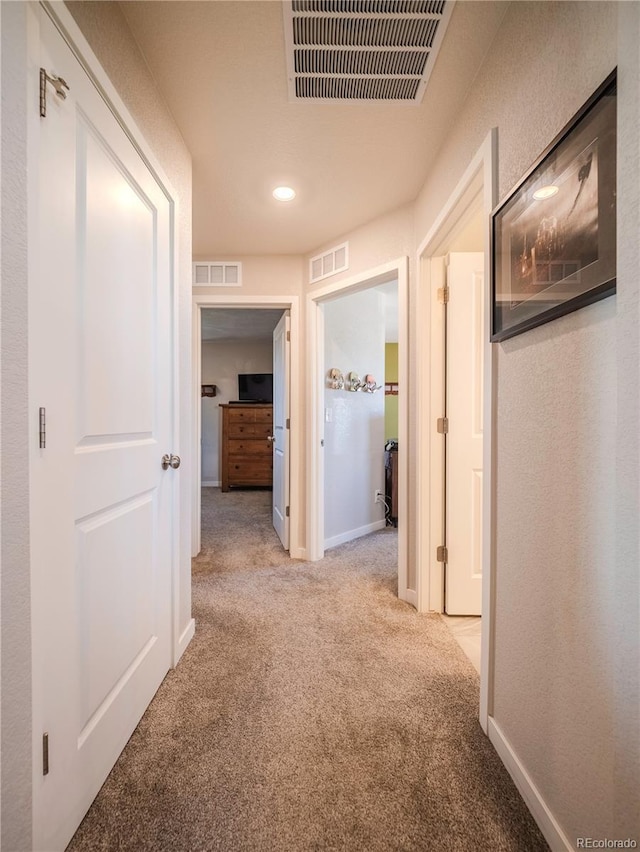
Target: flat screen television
255,387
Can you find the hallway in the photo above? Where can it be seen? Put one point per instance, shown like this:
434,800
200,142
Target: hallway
312,711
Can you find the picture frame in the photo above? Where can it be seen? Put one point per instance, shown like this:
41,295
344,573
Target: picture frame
553,238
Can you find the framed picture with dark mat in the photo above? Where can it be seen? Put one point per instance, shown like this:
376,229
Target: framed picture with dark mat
553,239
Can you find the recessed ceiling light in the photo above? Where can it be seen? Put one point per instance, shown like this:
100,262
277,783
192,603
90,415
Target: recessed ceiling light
546,192
284,193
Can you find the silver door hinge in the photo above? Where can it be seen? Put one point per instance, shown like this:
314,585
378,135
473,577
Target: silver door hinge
442,425
58,84
443,295
286,512
288,337
288,423
442,553
42,427
45,754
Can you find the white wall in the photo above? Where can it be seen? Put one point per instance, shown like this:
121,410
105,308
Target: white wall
354,437
222,360
15,744
272,274
624,574
372,244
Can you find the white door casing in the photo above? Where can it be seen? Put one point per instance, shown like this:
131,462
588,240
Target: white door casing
464,439
281,370
393,270
202,299
477,188
103,512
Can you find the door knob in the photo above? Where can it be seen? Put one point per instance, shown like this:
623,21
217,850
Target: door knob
170,461
271,438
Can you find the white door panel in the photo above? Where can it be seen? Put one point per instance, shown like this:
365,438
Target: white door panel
281,372
465,311
102,509
117,381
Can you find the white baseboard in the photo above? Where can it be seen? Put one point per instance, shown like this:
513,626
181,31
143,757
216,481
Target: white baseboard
350,535
183,641
210,483
540,811
410,596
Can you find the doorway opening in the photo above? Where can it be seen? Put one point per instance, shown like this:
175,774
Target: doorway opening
455,477
359,329
246,419
244,405
344,413
235,343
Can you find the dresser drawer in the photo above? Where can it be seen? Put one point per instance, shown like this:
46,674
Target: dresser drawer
253,447
251,414
264,415
249,430
249,471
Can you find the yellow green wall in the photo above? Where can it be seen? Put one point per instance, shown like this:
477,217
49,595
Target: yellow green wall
390,402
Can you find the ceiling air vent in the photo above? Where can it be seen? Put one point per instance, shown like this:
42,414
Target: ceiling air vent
362,50
217,273
329,262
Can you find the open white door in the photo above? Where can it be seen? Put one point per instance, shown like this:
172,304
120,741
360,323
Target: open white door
102,506
281,372
464,390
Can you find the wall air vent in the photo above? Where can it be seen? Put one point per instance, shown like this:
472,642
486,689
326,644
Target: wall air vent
328,263
362,50
217,273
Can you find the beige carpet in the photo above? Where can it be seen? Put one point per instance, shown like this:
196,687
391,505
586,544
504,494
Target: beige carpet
312,711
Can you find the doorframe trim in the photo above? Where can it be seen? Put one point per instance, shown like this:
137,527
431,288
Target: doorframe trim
397,269
287,303
429,575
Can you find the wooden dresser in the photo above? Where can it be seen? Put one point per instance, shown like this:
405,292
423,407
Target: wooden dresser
247,452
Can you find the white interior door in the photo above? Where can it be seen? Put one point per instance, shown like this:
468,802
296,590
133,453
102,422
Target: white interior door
102,508
464,390
281,370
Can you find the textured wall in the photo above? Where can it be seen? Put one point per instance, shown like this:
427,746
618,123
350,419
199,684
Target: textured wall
624,572
108,34
555,609
373,244
14,494
556,628
266,276
222,360
354,439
